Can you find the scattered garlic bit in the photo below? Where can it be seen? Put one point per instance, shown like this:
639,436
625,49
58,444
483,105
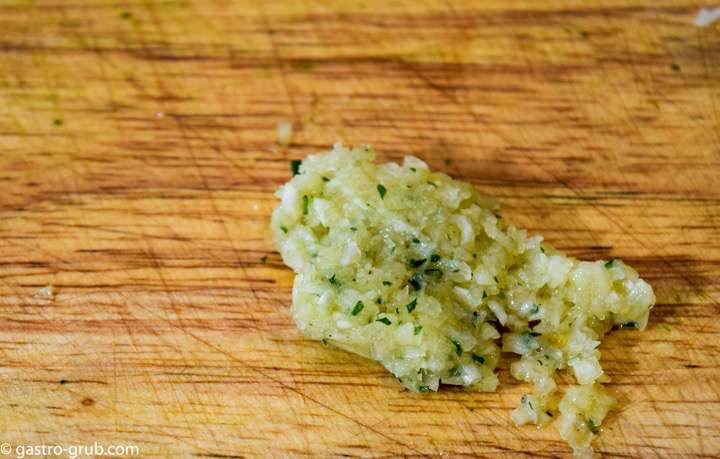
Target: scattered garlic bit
284,133
47,293
414,269
706,16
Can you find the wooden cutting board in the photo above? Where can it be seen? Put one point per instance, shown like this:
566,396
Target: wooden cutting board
138,161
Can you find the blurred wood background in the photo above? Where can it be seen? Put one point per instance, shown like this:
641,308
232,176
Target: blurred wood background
138,161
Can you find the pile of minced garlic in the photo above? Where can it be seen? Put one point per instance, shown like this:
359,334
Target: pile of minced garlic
416,270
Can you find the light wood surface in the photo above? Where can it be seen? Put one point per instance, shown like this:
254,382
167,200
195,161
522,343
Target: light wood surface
138,164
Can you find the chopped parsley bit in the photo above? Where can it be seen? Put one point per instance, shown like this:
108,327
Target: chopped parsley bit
418,329
411,305
263,259
324,341
306,204
379,300
528,338
284,229
549,413
458,348
358,307
57,122
478,358
418,263
423,389
295,166
594,428
433,271
333,281
413,169
382,190
630,324
431,183
384,320
675,67
387,283
416,281
434,257
484,294
353,228
609,264
325,179
542,249
527,401
416,240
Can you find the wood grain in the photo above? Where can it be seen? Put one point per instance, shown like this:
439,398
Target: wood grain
138,166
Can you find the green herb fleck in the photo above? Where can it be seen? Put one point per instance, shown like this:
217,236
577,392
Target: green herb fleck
57,122
423,389
306,204
675,67
478,358
333,280
434,257
416,281
526,400
325,179
125,15
284,229
431,183
418,329
611,263
353,228
592,427
584,35
458,348
263,259
416,240
434,271
411,305
630,324
484,294
413,169
382,190
295,166
542,249
358,307
549,413
384,320
387,283
324,341
418,263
